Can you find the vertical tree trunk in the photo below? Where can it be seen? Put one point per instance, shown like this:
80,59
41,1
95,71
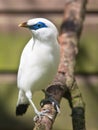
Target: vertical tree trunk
65,84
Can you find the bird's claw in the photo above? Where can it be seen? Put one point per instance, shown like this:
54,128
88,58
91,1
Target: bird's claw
39,115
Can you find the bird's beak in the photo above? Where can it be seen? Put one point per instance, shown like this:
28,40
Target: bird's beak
23,25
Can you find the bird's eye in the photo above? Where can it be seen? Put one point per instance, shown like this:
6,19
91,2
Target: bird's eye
39,25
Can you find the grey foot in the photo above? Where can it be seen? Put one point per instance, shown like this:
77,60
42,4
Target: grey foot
40,114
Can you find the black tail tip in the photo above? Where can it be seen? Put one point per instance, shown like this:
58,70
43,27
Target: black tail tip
21,109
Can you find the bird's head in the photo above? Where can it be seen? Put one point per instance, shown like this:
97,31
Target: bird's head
41,28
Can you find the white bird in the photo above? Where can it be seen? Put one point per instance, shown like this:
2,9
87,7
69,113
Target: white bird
39,62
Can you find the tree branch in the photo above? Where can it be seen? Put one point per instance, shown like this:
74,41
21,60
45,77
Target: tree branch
65,84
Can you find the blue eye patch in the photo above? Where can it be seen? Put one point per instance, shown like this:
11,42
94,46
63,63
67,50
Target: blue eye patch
38,26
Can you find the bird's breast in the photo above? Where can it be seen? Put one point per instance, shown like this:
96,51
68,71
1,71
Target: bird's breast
38,66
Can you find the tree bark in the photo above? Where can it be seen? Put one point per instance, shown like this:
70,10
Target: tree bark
65,84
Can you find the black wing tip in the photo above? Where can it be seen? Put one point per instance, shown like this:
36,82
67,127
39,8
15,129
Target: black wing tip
21,109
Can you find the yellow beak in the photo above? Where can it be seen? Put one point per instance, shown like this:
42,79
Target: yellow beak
24,24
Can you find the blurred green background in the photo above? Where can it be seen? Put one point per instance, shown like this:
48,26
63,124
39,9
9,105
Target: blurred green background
12,41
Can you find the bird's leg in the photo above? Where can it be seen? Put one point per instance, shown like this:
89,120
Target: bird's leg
29,97
39,114
33,105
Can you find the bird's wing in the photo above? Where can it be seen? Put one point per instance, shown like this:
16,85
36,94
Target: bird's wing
24,59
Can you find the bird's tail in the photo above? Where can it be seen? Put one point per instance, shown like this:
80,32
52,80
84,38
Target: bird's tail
22,103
